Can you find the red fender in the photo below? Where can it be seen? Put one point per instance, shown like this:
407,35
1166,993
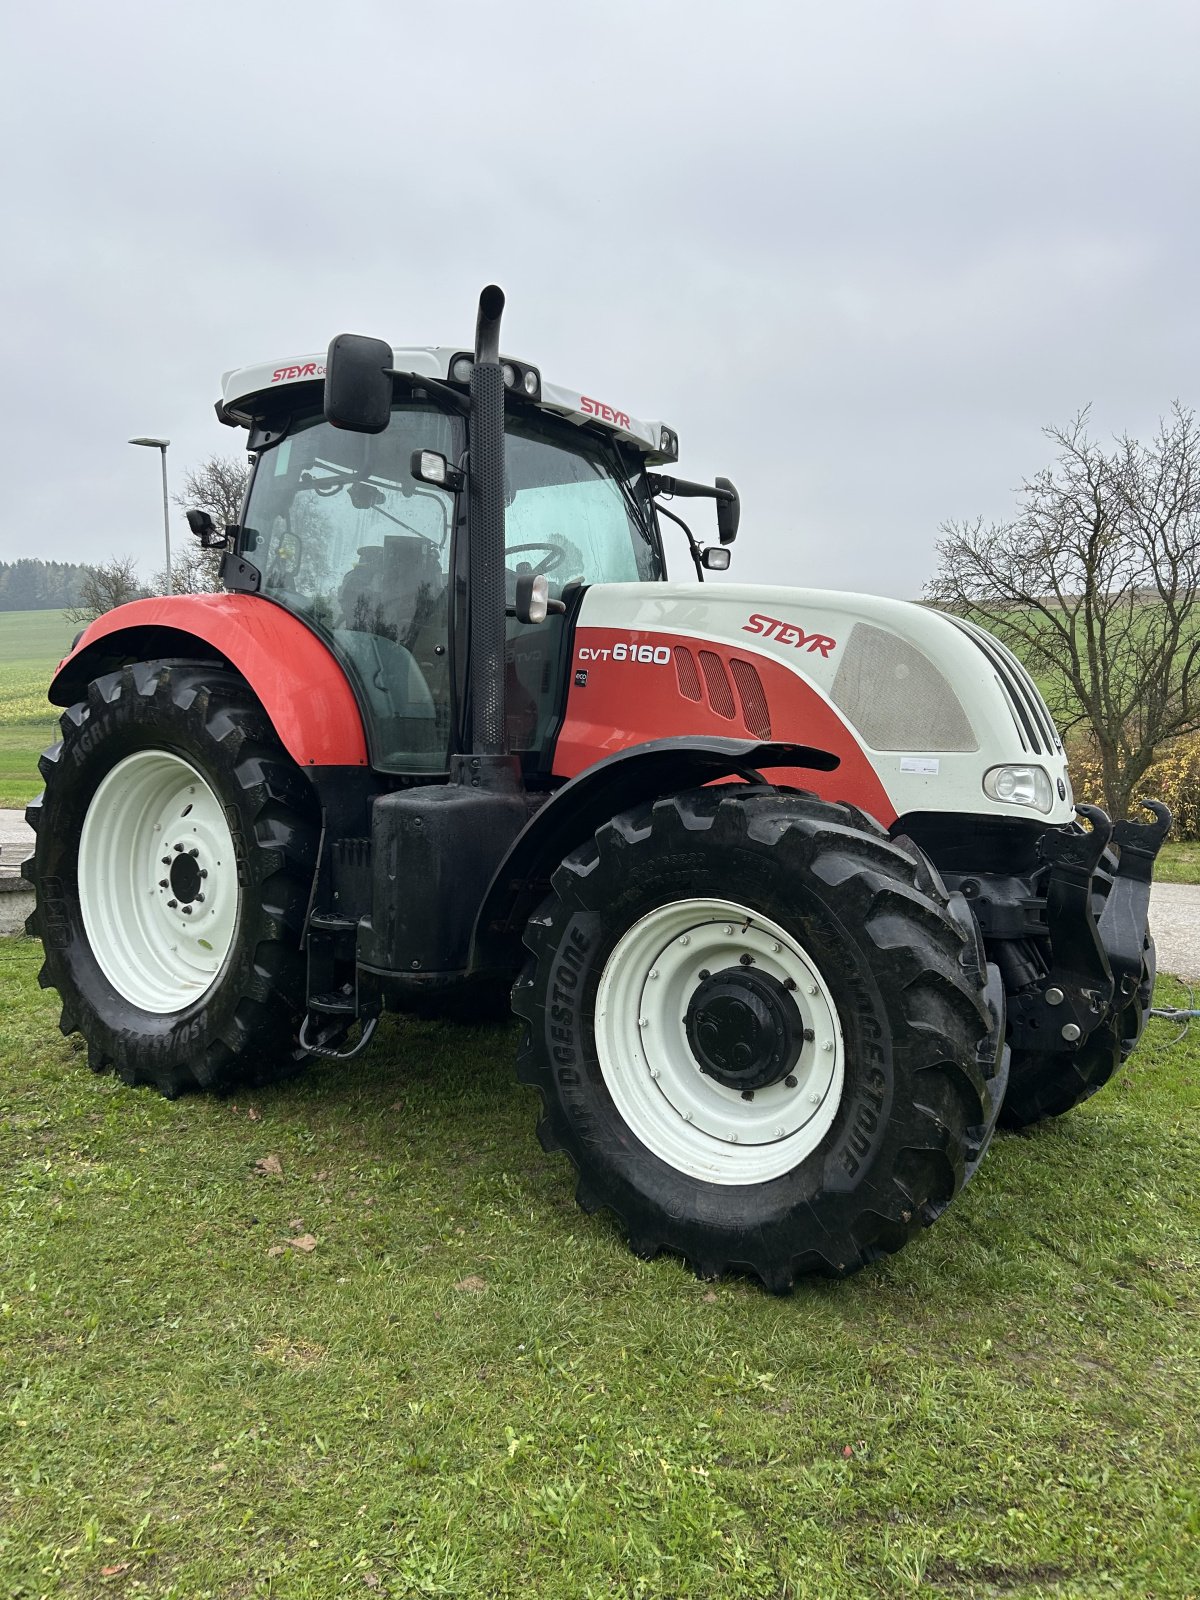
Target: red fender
300,683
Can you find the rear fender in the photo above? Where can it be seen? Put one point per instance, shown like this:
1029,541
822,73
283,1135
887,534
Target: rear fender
574,812
295,676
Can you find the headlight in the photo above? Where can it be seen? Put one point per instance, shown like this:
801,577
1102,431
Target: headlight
1020,786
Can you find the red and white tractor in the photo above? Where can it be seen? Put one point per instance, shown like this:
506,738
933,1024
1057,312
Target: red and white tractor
787,885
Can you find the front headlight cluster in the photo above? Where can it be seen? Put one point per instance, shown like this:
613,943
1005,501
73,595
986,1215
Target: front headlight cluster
1020,786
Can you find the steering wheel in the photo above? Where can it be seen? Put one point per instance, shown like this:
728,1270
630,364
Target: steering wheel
553,557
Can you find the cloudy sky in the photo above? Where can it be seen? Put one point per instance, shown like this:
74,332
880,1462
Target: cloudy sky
858,253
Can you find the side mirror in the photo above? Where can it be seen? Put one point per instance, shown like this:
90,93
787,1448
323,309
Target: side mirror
358,383
205,529
729,514
716,557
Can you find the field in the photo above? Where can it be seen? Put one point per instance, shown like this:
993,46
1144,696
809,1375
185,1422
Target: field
31,645
351,1336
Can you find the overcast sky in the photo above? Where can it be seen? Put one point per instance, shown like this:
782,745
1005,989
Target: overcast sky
856,253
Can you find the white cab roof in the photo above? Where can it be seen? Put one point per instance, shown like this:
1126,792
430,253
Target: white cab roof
245,391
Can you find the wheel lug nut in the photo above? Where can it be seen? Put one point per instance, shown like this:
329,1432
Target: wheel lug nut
179,847
187,910
193,851
166,861
746,960
790,1081
827,1046
704,972
204,872
200,899
162,883
747,1094
790,985
171,904
812,988
809,1035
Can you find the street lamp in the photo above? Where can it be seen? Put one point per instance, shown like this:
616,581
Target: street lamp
161,444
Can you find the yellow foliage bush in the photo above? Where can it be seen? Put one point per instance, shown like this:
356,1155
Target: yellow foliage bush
1174,777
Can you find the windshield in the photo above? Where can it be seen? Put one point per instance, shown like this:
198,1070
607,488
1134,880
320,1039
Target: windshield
573,512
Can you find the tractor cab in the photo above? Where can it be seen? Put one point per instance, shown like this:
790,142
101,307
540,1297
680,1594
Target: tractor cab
365,537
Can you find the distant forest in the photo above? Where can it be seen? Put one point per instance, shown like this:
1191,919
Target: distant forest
40,585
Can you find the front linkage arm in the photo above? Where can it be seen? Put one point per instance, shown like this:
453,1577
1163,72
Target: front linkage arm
1096,965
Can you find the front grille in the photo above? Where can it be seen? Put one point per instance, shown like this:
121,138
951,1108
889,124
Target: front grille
1034,722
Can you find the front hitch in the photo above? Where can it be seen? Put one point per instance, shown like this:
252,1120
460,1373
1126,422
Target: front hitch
1123,920
1096,964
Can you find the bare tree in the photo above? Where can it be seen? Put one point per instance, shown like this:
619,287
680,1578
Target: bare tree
104,587
193,571
218,486
1095,584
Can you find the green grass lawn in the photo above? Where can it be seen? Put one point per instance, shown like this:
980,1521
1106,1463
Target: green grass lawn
31,645
1178,863
467,1388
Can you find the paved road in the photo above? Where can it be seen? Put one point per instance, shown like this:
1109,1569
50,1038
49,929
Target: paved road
1174,907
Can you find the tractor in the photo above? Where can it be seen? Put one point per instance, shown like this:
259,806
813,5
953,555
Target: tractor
788,887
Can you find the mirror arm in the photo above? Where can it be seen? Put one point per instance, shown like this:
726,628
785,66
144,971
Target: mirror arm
692,545
660,483
418,380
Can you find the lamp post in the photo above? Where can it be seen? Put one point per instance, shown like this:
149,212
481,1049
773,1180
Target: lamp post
161,445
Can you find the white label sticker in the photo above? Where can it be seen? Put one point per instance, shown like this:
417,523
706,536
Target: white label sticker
927,766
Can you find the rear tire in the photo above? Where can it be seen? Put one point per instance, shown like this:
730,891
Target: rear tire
175,848
894,1074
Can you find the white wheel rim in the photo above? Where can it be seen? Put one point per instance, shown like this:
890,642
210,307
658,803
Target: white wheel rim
697,1125
158,886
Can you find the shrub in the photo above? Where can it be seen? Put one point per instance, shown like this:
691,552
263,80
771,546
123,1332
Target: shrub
1174,777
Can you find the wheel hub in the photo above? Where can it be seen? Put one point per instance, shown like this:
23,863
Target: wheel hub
185,877
719,1041
158,881
744,1029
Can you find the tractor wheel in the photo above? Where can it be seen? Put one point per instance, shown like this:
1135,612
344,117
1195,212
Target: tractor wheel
1043,1084
764,1034
175,849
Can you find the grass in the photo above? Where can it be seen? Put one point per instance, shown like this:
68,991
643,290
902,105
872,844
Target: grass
468,1388
1178,862
31,645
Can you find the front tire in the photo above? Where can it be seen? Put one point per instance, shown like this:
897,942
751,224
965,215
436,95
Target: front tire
175,849
1051,1083
764,1034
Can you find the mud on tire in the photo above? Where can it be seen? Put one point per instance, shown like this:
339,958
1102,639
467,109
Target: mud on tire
241,1028
921,1017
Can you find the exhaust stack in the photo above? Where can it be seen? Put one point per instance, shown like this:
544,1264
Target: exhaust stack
486,559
